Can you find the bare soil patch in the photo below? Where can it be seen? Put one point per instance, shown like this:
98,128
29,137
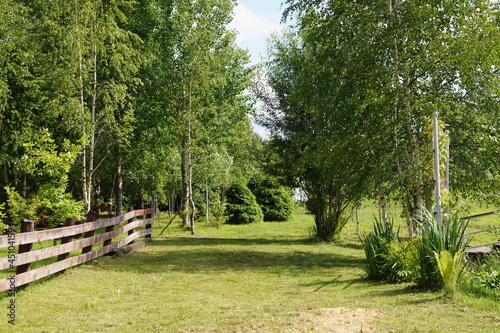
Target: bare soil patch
338,320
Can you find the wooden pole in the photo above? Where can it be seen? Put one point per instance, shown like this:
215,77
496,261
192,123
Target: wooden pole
149,225
66,239
90,217
131,231
26,226
111,227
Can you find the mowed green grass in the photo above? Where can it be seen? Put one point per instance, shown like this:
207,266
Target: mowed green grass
263,277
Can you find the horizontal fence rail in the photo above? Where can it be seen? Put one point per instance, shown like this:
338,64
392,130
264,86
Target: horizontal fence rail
496,243
113,227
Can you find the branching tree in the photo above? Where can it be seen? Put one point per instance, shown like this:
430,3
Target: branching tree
355,86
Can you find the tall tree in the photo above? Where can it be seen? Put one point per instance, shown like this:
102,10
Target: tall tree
203,80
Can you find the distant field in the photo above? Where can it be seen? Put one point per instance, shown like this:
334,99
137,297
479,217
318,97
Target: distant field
262,277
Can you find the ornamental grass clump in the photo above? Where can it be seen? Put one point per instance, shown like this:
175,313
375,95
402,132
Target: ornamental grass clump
433,261
436,238
377,246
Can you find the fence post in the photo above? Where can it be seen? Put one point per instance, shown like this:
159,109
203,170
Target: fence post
26,226
66,239
90,218
108,229
131,231
149,225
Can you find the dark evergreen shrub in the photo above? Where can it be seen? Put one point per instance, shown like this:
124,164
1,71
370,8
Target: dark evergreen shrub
242,207
274,200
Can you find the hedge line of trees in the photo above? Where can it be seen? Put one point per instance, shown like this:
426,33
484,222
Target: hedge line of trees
121,100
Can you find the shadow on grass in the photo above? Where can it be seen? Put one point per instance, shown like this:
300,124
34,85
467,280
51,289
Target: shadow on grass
200,241
351,245
346,283
421,296
219,255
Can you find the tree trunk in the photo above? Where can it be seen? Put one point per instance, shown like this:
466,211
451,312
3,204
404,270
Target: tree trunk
382,204
326,203
119,189
185,183
85,190
412,205
357,220
89,171
5,177
24,185
207,201
416,179
188,205
140,195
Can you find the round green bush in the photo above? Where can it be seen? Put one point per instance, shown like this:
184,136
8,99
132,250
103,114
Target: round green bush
275,200
242,207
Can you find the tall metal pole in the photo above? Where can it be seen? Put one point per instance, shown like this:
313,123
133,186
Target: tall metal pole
447,174
437,176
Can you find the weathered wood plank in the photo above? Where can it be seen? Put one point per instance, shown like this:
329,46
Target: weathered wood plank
68,247
130,247
66,240
26,226
42,272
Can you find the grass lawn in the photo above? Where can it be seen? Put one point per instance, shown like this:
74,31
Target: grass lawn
263,277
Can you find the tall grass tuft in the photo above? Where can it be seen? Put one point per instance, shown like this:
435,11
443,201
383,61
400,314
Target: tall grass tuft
437,237
377,247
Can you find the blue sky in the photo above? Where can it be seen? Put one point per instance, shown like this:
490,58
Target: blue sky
255,20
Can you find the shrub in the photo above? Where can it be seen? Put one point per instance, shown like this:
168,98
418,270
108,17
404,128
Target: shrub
274,200
241,205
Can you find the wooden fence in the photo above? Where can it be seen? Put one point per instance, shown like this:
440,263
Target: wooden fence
483,230
113,227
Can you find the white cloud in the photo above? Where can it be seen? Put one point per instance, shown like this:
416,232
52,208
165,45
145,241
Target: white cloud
252,26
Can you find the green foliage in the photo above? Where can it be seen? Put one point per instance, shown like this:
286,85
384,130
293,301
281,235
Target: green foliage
48,162
242,207
275,200
3,226
401,263
437,237
379,246
19,207
354,88
416,260
450,268
490,279
54,202
217,213
44,158
482,280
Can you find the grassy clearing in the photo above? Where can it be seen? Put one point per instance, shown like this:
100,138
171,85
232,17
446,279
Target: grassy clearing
263,277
